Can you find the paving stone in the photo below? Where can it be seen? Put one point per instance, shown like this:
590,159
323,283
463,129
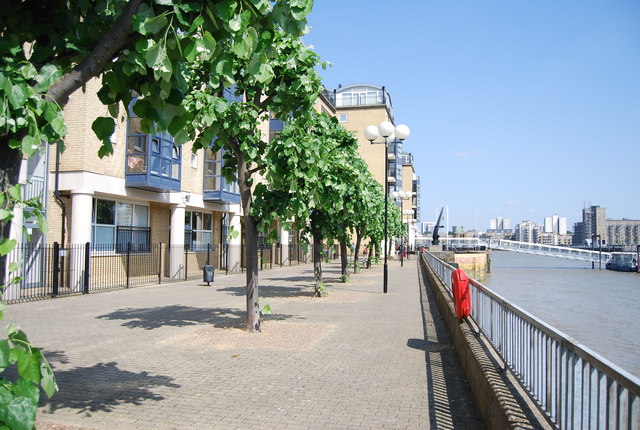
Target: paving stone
121,360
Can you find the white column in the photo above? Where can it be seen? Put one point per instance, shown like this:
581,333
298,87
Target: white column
176,253
81,215
284,243
235,244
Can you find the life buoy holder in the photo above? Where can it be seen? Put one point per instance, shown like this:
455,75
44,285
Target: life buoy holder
461,293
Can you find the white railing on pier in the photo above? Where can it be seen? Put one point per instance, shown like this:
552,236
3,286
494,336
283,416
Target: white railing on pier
576,387
529,248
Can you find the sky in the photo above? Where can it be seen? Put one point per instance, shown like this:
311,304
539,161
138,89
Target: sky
517,109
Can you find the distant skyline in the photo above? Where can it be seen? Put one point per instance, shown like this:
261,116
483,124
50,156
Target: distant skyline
517,109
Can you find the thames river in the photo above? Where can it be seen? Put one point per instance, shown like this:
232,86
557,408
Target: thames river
598,308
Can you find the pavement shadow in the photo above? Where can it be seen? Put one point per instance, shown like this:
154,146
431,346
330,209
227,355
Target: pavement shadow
451,405
103,386
271,291
180,316
55,357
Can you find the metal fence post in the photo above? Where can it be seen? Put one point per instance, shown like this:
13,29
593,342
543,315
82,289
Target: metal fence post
226,258
128,262
186,263
87,266
160,263
208,252
56,268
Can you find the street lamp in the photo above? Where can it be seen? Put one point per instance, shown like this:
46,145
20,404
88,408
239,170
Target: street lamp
386,130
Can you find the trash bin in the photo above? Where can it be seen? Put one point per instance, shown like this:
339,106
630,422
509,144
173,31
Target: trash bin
207,273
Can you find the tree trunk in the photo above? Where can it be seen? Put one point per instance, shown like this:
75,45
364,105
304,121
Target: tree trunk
250,236
370,256
344,260
317,263
356,251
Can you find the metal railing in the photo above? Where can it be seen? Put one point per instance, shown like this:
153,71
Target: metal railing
529,248
574,386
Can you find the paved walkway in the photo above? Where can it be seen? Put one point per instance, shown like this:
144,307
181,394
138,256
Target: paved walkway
169,357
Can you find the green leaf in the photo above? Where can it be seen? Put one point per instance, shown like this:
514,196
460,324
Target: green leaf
14,266
196,23
209,43
103,127
18,95
47,76
6,246
48,382
20,413
164,2
156,24
30,145
4,354
29,366
4,214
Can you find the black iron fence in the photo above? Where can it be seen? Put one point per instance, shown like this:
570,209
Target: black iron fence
45,271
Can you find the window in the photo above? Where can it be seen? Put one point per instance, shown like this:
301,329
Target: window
213,180
343,117
198,233
115,225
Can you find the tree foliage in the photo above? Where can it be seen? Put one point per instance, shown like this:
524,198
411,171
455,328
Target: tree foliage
163,52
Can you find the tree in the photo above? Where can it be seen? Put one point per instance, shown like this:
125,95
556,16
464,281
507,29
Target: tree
276,76
314,177
146,48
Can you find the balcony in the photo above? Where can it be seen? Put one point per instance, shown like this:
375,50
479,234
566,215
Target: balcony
153,162
215,187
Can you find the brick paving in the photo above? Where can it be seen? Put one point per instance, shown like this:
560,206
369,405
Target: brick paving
150,357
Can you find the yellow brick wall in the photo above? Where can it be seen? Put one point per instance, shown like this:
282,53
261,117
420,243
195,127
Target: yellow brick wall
358,119
81,143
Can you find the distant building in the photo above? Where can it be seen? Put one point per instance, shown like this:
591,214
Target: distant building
499,223
506,234
555,224
527,231
457,230
427,227
624,233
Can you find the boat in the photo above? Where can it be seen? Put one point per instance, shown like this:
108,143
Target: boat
623,262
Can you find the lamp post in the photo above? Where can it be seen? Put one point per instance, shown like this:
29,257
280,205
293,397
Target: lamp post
386,130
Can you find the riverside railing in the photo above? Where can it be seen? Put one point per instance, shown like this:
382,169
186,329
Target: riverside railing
574,386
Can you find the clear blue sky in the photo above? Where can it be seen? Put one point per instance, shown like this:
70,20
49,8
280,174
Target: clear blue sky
520,109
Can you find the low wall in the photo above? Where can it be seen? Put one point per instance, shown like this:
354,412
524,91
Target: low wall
499,402
475,264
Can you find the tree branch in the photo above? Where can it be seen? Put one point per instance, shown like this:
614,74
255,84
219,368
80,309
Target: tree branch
113,42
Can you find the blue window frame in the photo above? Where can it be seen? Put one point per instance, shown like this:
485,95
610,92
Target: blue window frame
153,161
216,187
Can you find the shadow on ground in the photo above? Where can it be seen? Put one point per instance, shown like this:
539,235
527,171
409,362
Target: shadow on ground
102,387
180,316
451,404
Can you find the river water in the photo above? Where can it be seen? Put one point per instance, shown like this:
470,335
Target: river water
598,308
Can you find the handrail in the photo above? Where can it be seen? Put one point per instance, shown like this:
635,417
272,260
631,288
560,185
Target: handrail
531,248
576,387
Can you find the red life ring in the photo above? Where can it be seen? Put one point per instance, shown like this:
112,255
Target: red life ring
461,293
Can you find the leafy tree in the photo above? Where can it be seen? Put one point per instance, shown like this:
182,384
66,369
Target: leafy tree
276,76
151,48
314,176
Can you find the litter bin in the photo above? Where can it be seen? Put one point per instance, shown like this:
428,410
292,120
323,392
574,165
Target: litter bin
207,274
